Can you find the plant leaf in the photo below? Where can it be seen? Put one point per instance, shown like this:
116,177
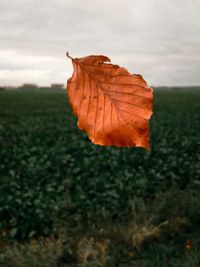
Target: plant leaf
112,105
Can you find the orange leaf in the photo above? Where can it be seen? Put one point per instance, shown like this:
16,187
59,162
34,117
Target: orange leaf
112,105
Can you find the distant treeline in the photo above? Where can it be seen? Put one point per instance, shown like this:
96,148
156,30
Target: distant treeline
31,87
182,88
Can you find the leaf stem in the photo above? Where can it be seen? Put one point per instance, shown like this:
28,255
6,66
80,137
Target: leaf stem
67,54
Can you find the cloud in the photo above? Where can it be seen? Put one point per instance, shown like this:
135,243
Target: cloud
159,39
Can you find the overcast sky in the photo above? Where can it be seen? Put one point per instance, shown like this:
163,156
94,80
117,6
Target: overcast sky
159,39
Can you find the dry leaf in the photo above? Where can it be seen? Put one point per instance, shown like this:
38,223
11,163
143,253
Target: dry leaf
112,105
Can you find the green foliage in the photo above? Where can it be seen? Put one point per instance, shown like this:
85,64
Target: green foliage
50,171
144,240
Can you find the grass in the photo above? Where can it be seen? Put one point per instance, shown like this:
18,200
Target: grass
146,239
66,202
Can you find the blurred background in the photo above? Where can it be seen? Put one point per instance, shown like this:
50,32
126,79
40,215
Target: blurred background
65,201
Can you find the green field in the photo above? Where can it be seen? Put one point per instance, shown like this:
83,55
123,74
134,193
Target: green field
56,185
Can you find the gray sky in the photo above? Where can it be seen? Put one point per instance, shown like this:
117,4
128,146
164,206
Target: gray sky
159,39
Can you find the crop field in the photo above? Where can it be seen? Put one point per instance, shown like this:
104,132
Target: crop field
87,205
